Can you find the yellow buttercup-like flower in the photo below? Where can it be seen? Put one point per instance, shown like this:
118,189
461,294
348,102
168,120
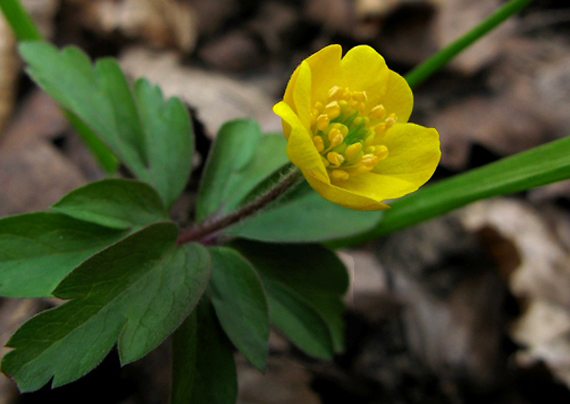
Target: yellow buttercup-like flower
345,120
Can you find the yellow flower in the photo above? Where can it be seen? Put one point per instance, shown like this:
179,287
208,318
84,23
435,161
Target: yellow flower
345,124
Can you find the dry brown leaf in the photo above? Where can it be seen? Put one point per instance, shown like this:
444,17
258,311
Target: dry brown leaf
43,13
456,17
542,281
33,174
163,23
450,301
9,67
284,382
217,98
334,16
13,313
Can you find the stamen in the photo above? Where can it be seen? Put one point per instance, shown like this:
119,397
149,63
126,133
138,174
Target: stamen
335,92
333,109
359,96
380,129
335,137
319,143
352,150
343,134
369,160
391,120
381,152
322,122
339,174
378,112
335,158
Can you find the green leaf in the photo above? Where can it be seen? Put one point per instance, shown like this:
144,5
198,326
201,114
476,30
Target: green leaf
304,216
240,303
305,285
299,321
203,369
137,292
37,250
240,159
115,203
105,157
232,151
152,137
533,168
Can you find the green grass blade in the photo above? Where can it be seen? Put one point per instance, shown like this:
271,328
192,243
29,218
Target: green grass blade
19,20
533,168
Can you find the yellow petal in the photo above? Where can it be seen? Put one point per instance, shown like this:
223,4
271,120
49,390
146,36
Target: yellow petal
413,155
283,110
301,149
324,66
325,71
398,97
303,154
343,197
302,95
363,69
377,186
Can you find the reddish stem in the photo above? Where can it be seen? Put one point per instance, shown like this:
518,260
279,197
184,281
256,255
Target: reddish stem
209,229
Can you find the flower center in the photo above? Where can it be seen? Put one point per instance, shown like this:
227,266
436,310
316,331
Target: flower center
348,133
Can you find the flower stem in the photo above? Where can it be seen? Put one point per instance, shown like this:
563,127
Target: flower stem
208,229
441,58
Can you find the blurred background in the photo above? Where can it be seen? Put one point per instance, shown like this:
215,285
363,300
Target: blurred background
473,307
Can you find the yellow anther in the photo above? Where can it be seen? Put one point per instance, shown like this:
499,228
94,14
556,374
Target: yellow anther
314,115
333,109
347,95
335,159
369,160
325,161
343,105
322,122
353,104
380,129
381,152
352,150
319,106
361,106
359,96
335,137
391,120
343,129
339,174
370,149
335,92
319,143
378,112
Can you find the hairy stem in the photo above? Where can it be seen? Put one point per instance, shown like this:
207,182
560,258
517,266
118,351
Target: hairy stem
208,229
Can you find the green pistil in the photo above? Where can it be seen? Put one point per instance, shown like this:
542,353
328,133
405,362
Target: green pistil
351,118
355,134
